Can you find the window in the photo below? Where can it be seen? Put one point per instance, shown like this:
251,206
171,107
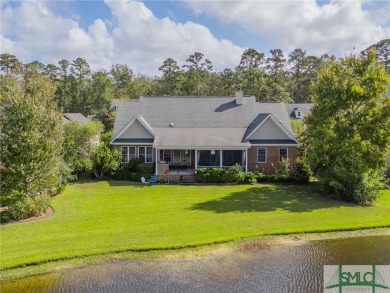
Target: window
283,153
146,154
131,153
167,156
125,156
149,155
128,153
262,155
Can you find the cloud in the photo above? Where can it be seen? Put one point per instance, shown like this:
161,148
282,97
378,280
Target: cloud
134,36
336,27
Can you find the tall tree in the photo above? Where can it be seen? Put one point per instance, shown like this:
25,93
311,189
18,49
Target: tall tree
382,49
9,64
81,86
348,131
31,141
251,74
123,81
64,87
80,139
36,66
277,88
197,75
171,78
102,92
303,70
229,82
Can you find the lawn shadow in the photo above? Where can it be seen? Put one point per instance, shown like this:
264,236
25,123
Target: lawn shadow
270,198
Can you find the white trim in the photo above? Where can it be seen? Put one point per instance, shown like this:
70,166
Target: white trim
140,119
196,159
206,148
266,152
246,160
131,144
220,159
286,153
279,124
156,152
278,145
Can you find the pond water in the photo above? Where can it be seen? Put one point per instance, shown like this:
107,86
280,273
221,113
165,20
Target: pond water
276,268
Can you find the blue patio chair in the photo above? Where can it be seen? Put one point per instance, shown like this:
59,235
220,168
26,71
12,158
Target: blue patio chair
153,179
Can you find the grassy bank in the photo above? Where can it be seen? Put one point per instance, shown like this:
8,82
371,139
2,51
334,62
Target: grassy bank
187,253
93,218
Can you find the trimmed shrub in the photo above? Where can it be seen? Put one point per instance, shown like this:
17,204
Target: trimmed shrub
134,170
284,167
249,178
217,175
5,216
29,207
234,175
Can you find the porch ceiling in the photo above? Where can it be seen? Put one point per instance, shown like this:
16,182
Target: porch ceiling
200,138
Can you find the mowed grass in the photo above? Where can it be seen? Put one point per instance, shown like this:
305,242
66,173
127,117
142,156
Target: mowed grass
103,217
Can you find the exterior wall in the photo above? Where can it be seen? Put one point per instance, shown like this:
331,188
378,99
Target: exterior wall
268,167
272,158
269,130
136,130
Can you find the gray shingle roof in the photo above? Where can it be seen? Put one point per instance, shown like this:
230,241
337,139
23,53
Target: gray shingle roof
213,121
304,107
74,117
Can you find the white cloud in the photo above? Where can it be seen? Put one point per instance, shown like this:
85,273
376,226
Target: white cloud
335,28
141,40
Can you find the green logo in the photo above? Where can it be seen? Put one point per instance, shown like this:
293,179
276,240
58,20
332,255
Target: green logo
357,278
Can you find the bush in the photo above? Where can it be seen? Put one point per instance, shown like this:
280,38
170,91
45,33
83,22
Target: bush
367,191
217,175
234,175
276,178
146,168
134,170
210,175
29,207
284,167
5,216
302,171
249,178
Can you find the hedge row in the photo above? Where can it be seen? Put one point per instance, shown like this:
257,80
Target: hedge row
235,175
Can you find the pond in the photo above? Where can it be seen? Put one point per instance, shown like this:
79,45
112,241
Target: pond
275,268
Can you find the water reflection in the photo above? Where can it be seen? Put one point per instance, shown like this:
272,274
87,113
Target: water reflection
279,268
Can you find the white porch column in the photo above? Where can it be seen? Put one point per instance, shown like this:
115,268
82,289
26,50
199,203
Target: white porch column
156,161
196,159
220,159
246,160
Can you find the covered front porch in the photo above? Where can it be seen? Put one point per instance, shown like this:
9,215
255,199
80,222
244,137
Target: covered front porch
186,161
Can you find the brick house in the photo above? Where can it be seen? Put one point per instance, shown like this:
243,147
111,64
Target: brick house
181,134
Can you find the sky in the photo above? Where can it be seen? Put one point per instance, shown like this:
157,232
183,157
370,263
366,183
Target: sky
142,34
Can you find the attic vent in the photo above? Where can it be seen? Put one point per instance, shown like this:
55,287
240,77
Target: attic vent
171,124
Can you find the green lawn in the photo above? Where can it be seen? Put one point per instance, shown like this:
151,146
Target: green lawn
102,217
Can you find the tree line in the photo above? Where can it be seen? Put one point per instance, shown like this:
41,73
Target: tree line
278,78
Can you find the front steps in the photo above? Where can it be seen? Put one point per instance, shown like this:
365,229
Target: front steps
188,179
